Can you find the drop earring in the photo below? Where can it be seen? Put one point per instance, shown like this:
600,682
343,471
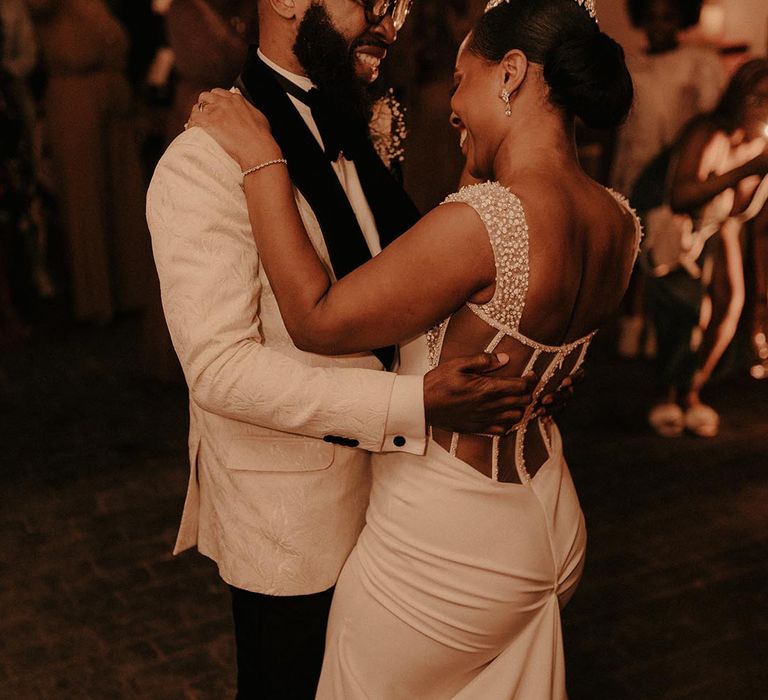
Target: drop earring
505,96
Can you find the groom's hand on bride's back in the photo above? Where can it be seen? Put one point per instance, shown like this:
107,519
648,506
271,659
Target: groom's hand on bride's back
552,404
465,395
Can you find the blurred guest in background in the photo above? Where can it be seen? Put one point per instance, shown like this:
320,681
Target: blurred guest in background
146,30
210,41
674,82
717,177
17,185
19,59
89,112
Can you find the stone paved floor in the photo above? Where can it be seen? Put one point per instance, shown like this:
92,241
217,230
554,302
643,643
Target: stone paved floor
674,603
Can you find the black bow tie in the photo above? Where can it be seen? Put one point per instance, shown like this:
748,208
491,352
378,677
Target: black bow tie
341,134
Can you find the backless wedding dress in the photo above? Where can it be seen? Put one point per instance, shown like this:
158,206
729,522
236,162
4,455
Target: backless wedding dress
455,586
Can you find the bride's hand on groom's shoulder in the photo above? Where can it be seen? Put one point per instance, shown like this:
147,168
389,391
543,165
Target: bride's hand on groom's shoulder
236,125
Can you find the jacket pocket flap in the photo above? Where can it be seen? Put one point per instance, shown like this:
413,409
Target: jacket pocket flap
279,454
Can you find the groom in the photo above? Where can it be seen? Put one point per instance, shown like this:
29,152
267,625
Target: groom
279,439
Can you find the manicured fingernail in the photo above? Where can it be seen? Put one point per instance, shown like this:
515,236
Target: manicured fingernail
502,357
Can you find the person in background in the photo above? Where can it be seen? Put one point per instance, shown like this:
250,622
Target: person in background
89,116
674,82
17,184
717,176
146,30
19,60
210,40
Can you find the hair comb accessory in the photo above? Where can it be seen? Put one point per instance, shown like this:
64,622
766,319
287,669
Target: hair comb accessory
588,5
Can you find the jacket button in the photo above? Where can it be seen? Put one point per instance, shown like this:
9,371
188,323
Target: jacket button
329,438
353,443
399,441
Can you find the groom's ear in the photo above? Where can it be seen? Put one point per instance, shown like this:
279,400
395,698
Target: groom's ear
284,8
515,66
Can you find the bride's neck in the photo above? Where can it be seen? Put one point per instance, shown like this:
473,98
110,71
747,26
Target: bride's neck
548,146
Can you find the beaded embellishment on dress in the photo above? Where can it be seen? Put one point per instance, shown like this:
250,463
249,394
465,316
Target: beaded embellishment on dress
503,215
508,231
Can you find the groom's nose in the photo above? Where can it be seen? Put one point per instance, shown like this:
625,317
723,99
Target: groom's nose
385,30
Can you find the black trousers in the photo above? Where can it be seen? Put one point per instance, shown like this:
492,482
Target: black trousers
674,302
280,643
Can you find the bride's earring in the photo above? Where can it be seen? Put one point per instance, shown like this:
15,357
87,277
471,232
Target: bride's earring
505,97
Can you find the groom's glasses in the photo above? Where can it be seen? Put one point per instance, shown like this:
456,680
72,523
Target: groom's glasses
377,10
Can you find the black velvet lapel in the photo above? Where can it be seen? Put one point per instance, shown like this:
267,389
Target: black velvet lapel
313,176
392,208
310,170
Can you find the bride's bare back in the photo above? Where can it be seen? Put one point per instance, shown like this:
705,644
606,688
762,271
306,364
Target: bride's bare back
564,250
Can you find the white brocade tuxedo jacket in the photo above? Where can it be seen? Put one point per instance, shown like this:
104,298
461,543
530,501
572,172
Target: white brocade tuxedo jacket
277,493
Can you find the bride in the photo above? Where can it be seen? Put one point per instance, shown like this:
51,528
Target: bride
455,585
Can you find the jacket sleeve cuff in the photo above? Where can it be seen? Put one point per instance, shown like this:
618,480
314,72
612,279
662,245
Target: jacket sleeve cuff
406,429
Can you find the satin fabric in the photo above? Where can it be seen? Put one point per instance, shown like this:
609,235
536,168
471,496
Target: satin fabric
455,586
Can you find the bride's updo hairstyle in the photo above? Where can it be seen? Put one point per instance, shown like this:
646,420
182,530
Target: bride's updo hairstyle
583,67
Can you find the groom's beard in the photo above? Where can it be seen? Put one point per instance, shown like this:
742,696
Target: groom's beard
329,63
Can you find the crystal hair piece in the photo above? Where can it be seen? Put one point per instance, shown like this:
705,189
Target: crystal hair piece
588,5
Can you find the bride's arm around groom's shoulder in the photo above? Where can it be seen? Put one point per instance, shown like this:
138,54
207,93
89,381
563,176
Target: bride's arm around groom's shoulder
208,267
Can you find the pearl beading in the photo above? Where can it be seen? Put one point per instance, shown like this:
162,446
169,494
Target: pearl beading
503,215
504,218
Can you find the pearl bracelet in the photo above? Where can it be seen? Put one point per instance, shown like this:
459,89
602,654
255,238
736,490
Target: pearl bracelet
256,168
